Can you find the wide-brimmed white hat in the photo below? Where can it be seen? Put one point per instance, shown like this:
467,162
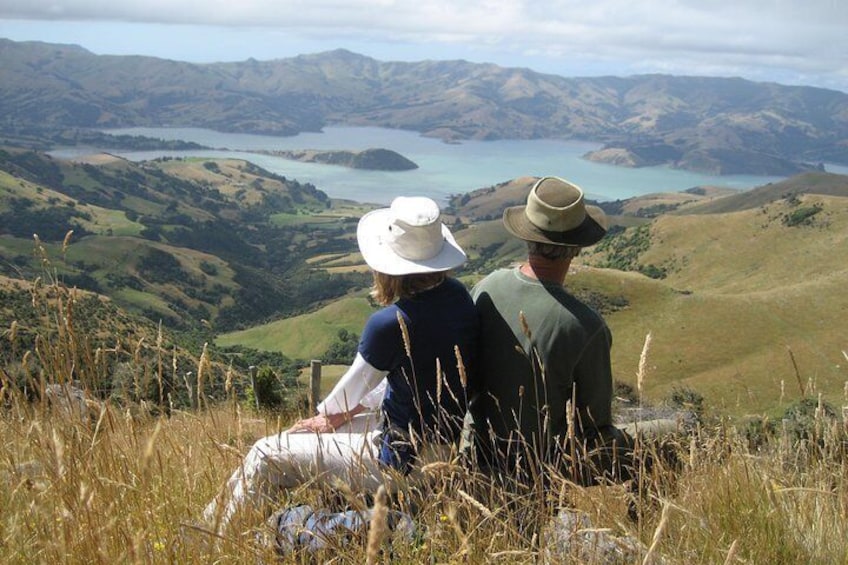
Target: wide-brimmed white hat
408,237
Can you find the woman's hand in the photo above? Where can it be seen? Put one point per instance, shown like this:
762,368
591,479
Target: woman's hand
320,424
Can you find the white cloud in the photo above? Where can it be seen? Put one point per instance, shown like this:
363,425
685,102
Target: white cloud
803,40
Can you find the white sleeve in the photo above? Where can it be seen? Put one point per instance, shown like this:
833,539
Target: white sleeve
374,399
354,386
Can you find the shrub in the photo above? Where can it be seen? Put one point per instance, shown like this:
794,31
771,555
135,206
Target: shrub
652,271
685,397
160,267
758,432
343,350
265,390
801,216
805,419
209,268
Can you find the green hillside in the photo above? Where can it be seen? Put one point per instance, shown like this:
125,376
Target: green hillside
735,300
306,336
807,183
741,290
199,244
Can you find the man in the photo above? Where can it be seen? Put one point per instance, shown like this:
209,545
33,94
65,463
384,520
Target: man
542,350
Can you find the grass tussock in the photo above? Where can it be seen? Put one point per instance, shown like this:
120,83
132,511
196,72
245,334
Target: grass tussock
118,483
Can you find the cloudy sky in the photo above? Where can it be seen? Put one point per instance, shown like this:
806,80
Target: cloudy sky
788,41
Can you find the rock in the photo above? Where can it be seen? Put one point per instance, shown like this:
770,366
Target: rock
70,401
570,538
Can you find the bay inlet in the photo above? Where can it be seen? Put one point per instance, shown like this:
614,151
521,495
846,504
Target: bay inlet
444,169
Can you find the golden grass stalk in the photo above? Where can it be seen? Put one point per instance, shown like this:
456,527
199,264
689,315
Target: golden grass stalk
160,378
731,553
379,526
439,381
475,503
66,242
642,370
525,327
801,388
405,333
460,366
203,367
228,380
658,531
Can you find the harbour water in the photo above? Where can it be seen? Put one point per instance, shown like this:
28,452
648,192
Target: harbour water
444,168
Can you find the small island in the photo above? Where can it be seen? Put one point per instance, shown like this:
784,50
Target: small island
368,159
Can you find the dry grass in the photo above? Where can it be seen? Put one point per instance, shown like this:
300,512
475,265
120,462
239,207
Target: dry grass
119,485
128,488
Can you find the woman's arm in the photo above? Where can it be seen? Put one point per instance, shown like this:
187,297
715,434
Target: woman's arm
343,402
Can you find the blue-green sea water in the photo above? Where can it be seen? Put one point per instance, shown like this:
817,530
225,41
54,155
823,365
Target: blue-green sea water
444,168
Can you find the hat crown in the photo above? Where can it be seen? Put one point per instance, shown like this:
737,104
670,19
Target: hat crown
415,230
555,205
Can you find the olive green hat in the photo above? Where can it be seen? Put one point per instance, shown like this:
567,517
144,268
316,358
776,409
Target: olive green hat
555,213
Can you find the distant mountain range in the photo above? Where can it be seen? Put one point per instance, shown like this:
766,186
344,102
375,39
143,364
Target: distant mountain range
715,125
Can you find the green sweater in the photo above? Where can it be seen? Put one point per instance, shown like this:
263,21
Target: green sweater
526,376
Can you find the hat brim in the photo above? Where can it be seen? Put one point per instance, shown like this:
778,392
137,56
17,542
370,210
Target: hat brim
382,258
589,232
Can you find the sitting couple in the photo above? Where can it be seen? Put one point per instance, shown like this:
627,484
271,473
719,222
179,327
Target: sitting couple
513,354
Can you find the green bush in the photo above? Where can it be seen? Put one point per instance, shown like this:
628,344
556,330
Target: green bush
343,350
652,271
801,216
806,418
265,391
687,398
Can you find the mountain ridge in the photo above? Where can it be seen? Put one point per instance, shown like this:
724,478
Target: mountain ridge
717,125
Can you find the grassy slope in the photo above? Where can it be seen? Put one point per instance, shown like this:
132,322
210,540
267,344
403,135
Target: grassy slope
103,220
814,182
114,246
306,336
758,289
329,375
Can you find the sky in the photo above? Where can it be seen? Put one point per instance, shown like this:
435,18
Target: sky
797,42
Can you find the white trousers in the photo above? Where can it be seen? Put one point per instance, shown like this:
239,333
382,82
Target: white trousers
288,460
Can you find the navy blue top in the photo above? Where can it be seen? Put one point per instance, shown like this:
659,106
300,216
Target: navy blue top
437,320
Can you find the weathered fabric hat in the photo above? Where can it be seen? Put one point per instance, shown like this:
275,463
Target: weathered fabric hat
408,237
555,213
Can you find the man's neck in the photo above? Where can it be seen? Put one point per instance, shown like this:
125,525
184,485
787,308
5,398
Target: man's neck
546,270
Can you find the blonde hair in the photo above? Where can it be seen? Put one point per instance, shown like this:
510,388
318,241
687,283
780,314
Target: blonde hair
388,288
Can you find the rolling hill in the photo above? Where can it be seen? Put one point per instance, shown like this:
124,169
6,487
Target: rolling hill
196,243
743,293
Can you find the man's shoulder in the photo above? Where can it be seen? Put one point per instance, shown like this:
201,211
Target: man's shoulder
496,277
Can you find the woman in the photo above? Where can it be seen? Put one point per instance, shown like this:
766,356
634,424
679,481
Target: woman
418,346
